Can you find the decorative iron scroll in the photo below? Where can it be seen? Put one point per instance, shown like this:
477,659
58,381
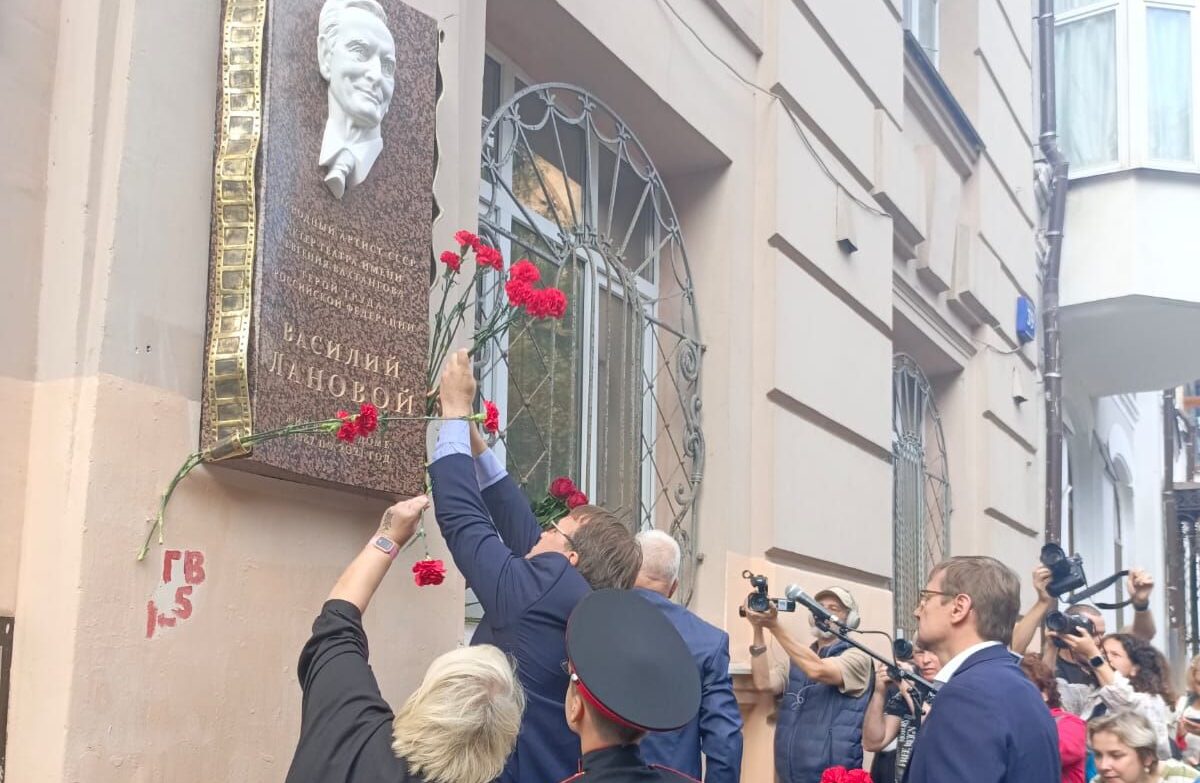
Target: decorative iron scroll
235,225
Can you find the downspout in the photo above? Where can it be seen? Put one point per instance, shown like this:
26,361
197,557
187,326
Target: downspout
1051,348
1177,605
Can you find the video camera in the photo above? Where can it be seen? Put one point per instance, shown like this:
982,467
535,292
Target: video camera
1066,573
760,600
1074,624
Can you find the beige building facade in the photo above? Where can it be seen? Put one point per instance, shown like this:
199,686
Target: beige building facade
854,185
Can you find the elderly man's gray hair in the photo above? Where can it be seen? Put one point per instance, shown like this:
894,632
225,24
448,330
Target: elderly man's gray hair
660,556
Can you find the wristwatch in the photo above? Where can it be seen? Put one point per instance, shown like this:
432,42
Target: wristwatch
1140,607
757,650
1096,661
387,546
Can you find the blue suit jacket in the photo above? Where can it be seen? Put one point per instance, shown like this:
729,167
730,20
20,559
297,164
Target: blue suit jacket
988,724
717,730
526,604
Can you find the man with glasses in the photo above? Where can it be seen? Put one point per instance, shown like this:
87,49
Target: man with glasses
527,580
988,723
825,691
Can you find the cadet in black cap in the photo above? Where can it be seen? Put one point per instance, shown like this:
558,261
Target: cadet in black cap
630,673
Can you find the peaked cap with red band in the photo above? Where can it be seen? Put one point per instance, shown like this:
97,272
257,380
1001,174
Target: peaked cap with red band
630,663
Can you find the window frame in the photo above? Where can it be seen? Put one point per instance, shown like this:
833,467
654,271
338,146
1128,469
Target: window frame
597,282
1132,69
912,23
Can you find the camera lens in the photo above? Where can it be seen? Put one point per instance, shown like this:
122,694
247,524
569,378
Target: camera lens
759,603
1052,555
1058,622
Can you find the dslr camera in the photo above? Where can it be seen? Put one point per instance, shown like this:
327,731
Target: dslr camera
760,599
1073,624
1066,573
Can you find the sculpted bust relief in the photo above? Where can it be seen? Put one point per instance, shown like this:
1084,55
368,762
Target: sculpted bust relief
357,56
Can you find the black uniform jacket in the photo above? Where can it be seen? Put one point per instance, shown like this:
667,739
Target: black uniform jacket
623,764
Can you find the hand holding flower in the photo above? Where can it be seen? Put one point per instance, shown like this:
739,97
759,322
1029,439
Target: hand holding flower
400,520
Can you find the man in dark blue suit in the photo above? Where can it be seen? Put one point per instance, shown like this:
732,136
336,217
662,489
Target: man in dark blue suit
988,723
527,580
717,730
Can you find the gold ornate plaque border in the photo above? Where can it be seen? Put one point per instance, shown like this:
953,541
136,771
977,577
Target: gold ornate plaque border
234,219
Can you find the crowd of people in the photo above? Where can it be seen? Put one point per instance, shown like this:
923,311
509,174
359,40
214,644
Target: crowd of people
583,668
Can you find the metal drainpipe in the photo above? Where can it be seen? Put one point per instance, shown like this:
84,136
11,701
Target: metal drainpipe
1051,348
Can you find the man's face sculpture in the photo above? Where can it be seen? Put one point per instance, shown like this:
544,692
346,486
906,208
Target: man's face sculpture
360,64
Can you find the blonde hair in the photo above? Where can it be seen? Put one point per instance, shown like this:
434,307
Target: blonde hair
461,723
1133,730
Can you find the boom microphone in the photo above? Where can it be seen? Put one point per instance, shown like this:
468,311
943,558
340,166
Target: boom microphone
798,595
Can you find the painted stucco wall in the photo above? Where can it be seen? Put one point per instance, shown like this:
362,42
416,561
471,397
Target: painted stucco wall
797,370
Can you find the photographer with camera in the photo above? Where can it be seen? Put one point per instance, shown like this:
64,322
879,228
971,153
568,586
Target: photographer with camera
824,690
1058,574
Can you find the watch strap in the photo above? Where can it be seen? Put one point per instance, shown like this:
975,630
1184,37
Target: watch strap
387,546
757,650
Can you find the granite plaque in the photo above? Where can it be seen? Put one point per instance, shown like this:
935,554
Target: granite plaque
322,210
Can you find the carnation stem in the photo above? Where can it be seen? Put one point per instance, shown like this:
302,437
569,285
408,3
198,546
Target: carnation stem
300,428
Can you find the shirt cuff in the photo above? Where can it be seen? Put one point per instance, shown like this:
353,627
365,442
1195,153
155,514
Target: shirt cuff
454,438
488,469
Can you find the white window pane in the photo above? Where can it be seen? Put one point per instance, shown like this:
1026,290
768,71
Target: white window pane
921,19
926,28
1169,83
1085,58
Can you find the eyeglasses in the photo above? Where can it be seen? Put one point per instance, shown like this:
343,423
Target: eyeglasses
925,595
562,533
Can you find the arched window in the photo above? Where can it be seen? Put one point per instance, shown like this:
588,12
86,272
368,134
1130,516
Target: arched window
921,500
609,395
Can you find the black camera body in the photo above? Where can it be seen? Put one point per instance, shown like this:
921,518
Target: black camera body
1073,624
760,599
1066,573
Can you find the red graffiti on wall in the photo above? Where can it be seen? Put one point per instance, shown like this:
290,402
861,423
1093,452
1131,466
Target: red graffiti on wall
191,573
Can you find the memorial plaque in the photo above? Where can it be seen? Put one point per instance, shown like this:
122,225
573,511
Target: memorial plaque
322,209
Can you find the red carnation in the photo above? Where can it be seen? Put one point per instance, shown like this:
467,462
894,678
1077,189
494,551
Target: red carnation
367,419
486,255
349,429
555,302
858,776
525,272
519,292
491,418
452,260
429,572
465,238
576,499
562,488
